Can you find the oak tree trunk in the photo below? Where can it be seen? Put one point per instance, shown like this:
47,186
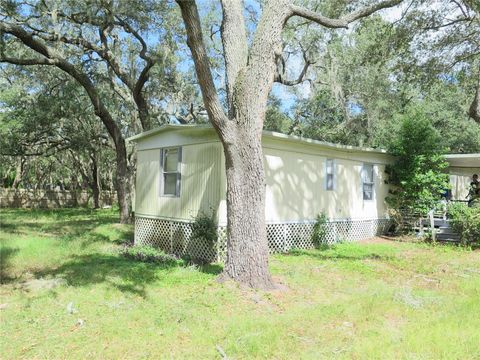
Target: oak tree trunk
18,173
474,110
247,247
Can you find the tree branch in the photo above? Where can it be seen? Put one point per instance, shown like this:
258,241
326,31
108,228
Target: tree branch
105,53
196,44
17,61
235,48
279,75
474,111
49,53
139,98
344,20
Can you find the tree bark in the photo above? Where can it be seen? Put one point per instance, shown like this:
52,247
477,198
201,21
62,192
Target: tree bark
18,173
247,247
121,182
474,110
95,184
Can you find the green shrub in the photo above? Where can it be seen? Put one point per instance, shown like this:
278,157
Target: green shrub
320,230
147,253
205,228
465,221
418,177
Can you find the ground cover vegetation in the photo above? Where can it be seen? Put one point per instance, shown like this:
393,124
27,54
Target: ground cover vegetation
65,282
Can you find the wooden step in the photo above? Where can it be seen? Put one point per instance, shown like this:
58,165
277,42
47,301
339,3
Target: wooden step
436,223
447,239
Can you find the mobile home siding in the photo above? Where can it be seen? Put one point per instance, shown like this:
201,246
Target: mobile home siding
201,183
295,178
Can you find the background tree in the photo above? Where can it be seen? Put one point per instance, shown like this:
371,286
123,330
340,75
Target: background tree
52,133
418,176
104,47
369,75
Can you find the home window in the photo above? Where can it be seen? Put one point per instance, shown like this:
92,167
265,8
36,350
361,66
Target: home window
367,181
171,159
330,174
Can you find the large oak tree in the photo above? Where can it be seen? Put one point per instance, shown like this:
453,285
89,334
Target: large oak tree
251,70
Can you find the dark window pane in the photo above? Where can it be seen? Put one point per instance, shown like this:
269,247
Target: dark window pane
170,184
329,181
367,191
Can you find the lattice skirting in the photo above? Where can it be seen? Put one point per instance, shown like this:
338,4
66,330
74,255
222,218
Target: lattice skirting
174,237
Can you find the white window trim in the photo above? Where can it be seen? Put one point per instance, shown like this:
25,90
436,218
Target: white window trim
334,173
178,172
374,174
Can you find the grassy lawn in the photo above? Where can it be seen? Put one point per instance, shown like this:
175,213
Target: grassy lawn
67,293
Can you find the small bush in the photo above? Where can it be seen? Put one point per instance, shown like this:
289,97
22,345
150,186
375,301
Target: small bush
465,221
320,230
147,253
205,227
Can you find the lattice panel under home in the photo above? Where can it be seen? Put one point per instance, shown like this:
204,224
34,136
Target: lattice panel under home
175,237
222,243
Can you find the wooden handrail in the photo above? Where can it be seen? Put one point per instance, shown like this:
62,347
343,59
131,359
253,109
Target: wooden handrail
432,224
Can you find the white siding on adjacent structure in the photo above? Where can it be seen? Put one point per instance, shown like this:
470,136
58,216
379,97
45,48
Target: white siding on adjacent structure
460,179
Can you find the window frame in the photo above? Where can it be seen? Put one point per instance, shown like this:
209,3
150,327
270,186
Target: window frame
333,174
372,183
163,173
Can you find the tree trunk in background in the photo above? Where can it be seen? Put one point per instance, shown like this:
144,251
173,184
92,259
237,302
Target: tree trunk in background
18,173
122,182
95,184
474,110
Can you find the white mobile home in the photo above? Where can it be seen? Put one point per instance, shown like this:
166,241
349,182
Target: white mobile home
181,174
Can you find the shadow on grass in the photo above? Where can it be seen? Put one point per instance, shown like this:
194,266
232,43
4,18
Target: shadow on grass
5,254
55,221
73,229
56,227
9,227
332,253
116,271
